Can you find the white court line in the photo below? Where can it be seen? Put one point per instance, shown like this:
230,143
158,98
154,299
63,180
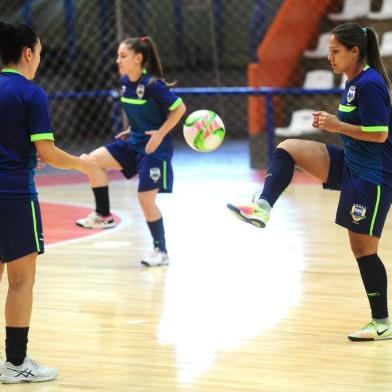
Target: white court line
125,222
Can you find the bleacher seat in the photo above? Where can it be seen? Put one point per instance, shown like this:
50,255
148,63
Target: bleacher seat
318,78
352,9
386,44
300,124
384,13
322,48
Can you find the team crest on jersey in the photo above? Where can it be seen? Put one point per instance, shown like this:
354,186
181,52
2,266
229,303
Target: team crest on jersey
358,212
155,173
123,88
351,94
140,89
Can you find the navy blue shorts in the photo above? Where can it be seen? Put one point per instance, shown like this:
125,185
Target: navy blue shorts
20,229
363,206
153,173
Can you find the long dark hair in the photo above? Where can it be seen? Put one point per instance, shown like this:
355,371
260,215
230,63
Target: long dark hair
151,60
352,34
13,38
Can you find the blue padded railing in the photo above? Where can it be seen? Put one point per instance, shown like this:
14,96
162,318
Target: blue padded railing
268,92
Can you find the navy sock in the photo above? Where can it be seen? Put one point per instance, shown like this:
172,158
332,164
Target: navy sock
16,344
374,278
101,194
158,234
279,175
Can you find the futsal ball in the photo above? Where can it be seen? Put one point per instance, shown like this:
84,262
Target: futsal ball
204,130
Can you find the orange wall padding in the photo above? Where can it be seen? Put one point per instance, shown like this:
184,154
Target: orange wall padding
293,30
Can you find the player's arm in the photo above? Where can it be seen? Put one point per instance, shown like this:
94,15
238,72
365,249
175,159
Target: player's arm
60,159
331,123
172,119
174,116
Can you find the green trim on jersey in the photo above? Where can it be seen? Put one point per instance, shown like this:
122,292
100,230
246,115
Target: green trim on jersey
346,109
176,104
375,209
377,128
366,67
133,101
164,175
41,136
35,226
11,70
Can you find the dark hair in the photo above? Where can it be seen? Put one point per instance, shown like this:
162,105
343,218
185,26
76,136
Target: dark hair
151,61
13,38
352,34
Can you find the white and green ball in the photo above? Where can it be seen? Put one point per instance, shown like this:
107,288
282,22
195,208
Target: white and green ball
204,130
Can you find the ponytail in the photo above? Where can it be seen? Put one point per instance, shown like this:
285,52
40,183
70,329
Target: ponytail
151,61
13,38
352,34
373,57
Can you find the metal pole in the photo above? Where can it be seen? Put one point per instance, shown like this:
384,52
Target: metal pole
119,21
27,13
269,110
70,31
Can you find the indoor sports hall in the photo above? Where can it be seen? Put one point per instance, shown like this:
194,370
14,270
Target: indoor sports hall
239,308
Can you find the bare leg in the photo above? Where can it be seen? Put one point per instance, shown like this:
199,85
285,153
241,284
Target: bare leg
104,161
21,276
150,209
311,157
1,270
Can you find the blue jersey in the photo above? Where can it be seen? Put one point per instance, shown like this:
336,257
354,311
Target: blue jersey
147,103
24,118
366,102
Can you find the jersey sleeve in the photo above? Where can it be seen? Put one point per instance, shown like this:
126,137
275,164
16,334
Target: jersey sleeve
374,108
39,123
164,96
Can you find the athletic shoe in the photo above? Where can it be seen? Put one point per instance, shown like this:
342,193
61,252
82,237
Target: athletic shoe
372,331
96,221
155,258
28,371
255,214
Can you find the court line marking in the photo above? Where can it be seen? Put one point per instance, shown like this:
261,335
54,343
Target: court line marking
125,222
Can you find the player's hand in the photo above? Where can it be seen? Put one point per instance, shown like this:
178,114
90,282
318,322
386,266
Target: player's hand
124,134
326,121
154,142
40,163
87,164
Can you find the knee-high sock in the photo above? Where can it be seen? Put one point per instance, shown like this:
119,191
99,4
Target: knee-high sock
374,278
157,231
279,175
16,344
101,195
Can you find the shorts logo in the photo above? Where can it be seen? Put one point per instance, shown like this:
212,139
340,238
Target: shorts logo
358,212
155,173
140,91
351,94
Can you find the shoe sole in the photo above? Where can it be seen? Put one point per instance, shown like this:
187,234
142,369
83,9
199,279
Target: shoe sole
244,217
87,227
9,380
354,339
149,265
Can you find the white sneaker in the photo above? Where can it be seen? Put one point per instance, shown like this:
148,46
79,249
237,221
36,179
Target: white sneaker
372,331
95,221
28,371
155,258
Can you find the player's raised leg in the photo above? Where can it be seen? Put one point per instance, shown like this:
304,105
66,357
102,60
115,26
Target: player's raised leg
100,218
309,156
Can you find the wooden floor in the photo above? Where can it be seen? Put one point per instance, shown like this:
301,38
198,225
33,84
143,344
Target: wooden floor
239,308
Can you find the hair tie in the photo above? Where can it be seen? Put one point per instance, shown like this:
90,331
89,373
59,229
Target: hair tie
364,29
143,39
